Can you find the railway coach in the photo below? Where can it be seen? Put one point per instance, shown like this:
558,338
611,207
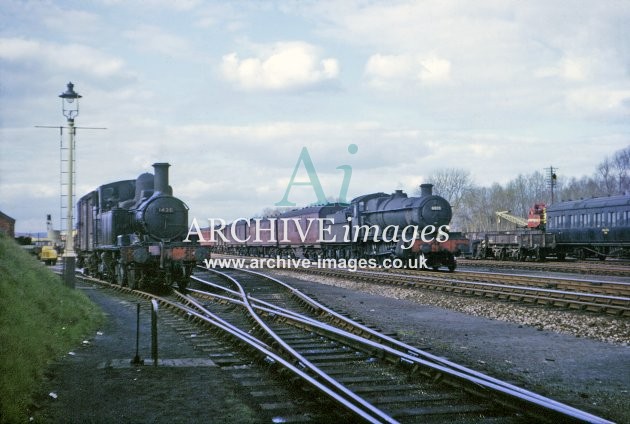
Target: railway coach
587,228
597,227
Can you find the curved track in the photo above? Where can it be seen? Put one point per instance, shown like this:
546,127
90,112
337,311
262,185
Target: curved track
369,372
345,371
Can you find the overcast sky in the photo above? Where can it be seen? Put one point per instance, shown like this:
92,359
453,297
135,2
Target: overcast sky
229,93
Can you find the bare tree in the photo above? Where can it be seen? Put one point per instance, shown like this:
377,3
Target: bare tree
606,175
451,184
621,166
474,207
583,188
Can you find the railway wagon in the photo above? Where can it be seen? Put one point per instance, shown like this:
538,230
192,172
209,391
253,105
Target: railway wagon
597,227
131,233
295,233
517,245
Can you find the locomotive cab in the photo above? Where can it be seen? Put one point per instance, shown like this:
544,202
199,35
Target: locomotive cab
131,232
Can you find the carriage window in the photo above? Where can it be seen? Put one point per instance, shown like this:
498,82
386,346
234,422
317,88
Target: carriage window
612,218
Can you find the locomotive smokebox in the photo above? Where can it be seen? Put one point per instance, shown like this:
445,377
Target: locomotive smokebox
161,178
426,190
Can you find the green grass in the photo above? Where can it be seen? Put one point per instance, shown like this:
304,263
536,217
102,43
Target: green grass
40,320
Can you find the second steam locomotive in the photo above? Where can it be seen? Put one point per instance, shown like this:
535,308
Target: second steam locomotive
131,232
378,227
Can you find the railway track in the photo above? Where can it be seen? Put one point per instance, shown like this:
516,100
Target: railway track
284,346
620,269
592,296
611,288
390,381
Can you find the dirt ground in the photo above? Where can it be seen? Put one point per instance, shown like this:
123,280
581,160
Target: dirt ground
82,387
588,374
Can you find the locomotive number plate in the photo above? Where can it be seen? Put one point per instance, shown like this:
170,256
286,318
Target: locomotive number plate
436,208
166,210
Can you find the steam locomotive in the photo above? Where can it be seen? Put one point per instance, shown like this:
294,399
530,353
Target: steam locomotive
131,233
378,227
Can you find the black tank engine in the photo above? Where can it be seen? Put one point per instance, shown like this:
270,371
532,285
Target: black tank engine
131,233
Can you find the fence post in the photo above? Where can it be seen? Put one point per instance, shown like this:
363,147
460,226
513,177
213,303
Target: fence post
154,332
136,360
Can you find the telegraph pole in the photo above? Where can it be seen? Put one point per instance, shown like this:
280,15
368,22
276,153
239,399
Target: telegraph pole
552,180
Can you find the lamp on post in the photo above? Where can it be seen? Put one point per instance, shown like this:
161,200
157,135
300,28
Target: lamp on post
70,109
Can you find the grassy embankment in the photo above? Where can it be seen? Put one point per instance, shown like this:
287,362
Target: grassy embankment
40,319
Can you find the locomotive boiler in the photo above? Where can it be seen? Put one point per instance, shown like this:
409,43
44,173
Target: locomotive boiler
387,226
131,232
378,227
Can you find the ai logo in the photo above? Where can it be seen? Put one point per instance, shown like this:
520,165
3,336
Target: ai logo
313,180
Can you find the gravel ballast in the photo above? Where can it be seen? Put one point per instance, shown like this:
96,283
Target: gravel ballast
582,359
576,358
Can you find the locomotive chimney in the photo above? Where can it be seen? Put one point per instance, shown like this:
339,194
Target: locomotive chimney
426,190
161,178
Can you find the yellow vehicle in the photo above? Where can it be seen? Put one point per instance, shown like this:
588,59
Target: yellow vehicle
48,254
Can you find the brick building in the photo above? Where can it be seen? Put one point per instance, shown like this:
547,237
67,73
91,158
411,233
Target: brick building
7,225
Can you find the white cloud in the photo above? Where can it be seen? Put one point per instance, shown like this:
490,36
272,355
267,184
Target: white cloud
35,190
434,70
386,70
506,83
599,101
73,23
567,68
151,38
177,5
389,67
284,66
52,55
